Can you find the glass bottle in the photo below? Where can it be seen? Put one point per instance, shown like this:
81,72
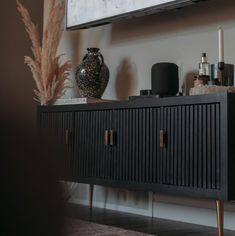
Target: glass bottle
204,66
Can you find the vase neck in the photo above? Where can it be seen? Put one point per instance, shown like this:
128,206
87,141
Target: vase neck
93,50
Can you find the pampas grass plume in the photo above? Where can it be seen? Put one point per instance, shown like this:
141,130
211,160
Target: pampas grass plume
51,77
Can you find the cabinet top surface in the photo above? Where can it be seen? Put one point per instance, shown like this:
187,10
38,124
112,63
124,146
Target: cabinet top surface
143,102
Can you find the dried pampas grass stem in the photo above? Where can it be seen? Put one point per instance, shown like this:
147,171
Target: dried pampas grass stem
51,77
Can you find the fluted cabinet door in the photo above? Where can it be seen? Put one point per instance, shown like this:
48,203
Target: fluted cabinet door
191,157
60,126
136,155
92,155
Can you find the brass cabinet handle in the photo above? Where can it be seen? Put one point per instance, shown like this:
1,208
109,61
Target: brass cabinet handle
106,137
109,137
111,134
162,138
67,137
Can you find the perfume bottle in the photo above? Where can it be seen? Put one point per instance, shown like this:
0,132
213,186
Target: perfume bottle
204,66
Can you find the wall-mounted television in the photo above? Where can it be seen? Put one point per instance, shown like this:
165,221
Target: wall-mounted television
88,13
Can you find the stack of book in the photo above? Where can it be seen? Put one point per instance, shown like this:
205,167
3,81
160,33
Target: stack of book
68,101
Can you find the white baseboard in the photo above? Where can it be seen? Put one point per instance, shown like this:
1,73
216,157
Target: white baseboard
193,215
189,210
114,207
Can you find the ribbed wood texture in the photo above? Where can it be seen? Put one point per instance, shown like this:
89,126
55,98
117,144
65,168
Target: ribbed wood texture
93,158
137,154
192,155
60,126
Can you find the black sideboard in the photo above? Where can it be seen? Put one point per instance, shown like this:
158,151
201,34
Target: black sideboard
175,145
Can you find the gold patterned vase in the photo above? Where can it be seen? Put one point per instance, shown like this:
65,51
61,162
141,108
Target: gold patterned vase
92,74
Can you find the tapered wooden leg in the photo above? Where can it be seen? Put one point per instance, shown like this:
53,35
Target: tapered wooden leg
91,188
220,217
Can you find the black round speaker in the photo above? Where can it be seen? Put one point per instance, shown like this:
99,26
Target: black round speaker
165,79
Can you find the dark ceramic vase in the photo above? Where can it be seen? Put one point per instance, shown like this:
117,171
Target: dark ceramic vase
92,74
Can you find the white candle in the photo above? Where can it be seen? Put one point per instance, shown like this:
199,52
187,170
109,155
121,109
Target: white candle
221,45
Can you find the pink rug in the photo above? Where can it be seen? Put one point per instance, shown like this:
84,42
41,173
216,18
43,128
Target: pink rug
77,227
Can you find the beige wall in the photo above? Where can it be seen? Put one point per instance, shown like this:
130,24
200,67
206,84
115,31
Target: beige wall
16,86
178,36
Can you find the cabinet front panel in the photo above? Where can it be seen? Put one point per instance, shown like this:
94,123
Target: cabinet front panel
60,126
136,154
192,157
92,156
172,145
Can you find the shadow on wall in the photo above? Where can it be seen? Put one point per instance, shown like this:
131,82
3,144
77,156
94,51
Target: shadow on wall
125,79
76,41
211,12
122,198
